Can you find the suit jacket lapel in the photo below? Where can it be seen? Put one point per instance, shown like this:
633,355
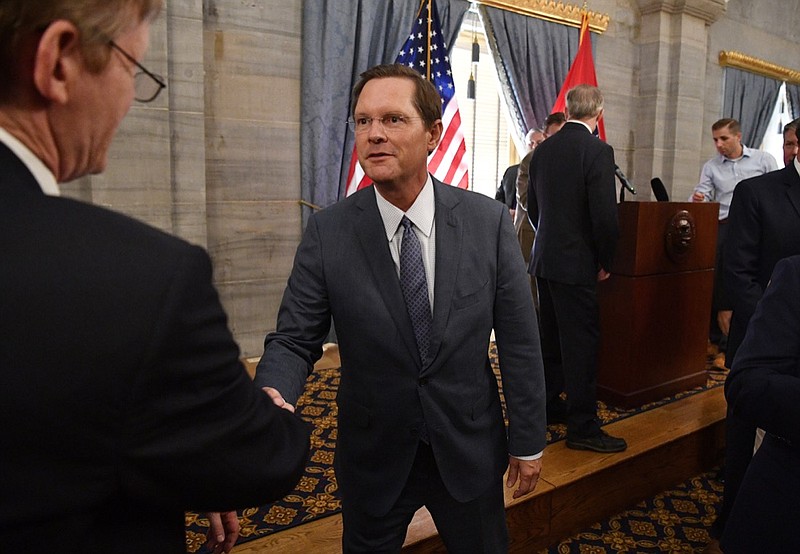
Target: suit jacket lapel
448,254
372,238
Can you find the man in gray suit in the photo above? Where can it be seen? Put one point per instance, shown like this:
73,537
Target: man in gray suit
420,417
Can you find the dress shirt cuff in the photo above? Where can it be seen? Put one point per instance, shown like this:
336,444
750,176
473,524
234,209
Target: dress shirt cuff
529,458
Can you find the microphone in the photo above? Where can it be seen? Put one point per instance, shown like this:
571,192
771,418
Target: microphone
659,190
624,180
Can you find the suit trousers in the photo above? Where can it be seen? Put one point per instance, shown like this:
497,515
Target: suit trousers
767,507
740,439
720,299
475,526
569,320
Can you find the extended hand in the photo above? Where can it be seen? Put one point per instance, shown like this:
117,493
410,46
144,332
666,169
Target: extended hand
724,321
277,398
528,473
223,530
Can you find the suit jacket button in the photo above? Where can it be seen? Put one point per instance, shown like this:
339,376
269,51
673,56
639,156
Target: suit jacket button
423,381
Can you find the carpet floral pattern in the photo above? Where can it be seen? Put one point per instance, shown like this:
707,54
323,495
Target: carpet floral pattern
677,520
316,494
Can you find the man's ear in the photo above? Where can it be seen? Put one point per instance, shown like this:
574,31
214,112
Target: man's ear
58,61
434,135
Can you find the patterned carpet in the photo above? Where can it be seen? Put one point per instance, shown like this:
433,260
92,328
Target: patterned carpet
316,494
677,520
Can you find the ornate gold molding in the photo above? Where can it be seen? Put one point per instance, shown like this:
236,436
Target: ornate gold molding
552,10
760,67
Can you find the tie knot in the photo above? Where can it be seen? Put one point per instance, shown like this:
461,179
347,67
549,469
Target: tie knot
406,223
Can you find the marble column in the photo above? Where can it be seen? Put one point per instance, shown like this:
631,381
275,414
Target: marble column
673,53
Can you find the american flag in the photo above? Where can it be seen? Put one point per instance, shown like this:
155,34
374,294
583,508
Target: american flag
425,51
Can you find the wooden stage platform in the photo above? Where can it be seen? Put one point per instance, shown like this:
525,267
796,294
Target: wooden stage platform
666,446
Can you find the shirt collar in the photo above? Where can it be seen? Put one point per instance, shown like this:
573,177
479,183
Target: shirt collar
796,165
582,123
43,176
746,153
420,213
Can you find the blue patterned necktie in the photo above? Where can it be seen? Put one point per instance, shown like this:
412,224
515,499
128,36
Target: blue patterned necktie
415,288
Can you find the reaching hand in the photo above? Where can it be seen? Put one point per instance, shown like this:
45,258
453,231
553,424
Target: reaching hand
223,530
277,398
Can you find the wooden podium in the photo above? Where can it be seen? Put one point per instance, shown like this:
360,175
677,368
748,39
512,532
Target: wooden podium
655,308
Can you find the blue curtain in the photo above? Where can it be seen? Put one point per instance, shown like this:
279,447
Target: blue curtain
341,39
793,92
750,99
532,58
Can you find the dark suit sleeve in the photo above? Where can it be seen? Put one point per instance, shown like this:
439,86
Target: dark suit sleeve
764,384
600,188
532,203
303,323
509,187
517,337
742,250
195,415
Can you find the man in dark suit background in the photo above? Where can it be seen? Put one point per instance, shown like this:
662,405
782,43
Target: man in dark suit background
763,227
522,224
572,207
763,388
420,418
122,399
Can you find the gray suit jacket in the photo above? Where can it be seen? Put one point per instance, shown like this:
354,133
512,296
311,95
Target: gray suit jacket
343,268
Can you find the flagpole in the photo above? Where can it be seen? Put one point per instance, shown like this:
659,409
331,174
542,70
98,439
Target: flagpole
428,51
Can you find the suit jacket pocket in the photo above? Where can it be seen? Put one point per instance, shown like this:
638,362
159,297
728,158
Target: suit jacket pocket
461,301
352,412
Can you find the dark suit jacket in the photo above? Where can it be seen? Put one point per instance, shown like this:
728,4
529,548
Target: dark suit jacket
343,268
507,191
764,389
763,227
572,205
122,398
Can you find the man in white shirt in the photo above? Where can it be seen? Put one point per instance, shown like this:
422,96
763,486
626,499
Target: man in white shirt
718,179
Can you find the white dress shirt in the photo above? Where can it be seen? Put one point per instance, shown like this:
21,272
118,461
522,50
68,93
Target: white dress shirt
40,172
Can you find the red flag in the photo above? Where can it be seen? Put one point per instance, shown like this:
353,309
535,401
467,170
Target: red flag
425,52
581,72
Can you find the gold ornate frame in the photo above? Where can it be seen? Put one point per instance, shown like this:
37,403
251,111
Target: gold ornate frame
760,67
552,10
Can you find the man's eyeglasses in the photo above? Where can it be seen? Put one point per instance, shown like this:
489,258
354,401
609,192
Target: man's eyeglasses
146,84
390,122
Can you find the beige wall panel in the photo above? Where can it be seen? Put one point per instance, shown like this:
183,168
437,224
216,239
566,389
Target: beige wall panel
139,167
252,308
252,160
252,240
274,17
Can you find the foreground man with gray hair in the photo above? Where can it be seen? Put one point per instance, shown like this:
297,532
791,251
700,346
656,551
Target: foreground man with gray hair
122,399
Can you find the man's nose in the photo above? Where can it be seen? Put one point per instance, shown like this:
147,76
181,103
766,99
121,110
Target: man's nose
376,132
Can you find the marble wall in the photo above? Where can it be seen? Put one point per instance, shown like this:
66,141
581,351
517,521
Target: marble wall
216,158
